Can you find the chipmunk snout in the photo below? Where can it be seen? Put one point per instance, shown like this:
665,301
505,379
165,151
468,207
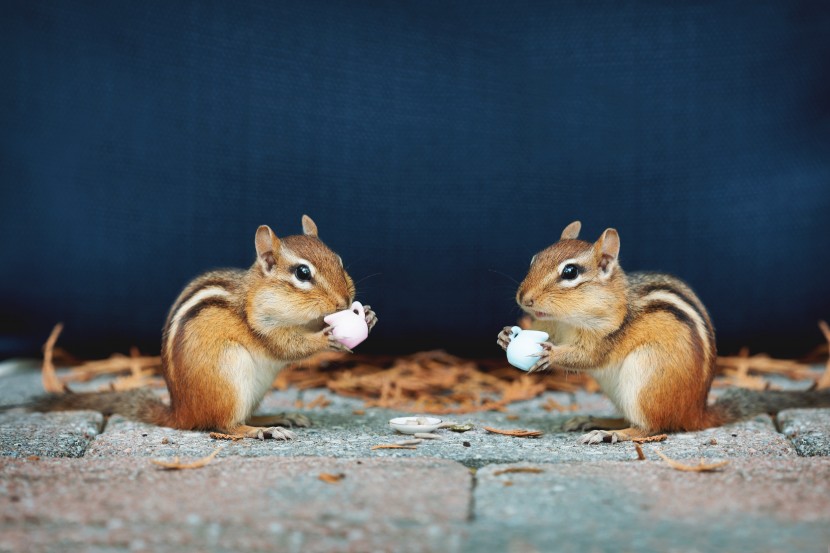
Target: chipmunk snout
524,300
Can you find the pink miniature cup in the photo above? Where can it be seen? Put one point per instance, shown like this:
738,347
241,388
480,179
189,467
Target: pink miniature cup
349,326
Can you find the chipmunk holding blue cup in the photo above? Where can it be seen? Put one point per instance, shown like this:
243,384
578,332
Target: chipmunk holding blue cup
231,331
645,337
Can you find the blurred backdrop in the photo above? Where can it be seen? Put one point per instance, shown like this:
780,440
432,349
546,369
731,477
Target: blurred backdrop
437,144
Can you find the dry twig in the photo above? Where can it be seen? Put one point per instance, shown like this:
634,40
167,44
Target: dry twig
640,455
176,464
51,383
329,478
518,433
393,446
701,467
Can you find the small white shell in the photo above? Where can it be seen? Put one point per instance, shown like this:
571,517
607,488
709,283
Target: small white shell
412,425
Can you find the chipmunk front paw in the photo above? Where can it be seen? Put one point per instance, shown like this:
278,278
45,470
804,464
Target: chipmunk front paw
504,337
544,356
274,432
332,343
600,436
371,317
281,419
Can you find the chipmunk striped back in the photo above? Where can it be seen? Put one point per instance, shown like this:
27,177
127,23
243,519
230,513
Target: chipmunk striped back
221,288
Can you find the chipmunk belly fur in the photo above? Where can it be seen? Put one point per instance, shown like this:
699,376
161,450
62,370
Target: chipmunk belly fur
250,373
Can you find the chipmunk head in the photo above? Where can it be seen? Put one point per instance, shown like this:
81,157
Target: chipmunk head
575,282
297,279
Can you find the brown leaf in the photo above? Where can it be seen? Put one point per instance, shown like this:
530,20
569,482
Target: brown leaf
220,436
701,467
331,478
515,433
655,438
176,464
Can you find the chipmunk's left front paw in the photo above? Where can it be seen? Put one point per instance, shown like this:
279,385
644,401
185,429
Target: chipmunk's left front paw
371,317
544,356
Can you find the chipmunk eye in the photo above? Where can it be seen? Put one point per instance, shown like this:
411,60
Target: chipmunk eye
570,272
303,273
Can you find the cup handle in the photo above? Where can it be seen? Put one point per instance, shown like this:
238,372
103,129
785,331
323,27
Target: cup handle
515,331
357,306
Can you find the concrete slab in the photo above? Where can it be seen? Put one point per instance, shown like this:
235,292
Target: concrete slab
809,430
233,505
759,504
66,434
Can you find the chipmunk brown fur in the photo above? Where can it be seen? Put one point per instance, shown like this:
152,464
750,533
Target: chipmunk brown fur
645,337
231,331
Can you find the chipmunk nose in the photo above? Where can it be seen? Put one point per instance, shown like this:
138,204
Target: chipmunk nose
524,300
343,305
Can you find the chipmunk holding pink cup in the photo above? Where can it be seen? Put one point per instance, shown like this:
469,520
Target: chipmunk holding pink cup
645,337
231,331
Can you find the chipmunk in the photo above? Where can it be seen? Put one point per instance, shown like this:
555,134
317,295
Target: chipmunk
230,332
645,337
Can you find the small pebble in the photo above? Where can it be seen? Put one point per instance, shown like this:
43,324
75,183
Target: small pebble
408,442
428,436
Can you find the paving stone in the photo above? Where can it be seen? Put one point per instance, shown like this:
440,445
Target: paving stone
809,430
65,434
233,505
338,432
758,504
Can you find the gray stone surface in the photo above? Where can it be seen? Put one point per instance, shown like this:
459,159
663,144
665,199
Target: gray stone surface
266,495
19,381
338,432
65,434
809,430
759,504
233,505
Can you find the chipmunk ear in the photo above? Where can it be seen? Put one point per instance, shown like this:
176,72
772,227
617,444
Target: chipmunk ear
571,232
267,247
309,228
607,250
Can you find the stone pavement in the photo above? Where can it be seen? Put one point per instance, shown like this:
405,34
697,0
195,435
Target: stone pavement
78,482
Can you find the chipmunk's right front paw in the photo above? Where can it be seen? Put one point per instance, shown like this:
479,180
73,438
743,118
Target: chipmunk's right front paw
332,344
275,432
504,337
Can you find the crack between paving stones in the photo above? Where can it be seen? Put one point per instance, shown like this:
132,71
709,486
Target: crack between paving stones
471,506
101,427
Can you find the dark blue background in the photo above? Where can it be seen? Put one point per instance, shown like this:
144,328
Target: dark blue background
434,142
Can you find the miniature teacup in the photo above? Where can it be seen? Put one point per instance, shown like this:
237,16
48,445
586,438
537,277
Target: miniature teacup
349,326
523,345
